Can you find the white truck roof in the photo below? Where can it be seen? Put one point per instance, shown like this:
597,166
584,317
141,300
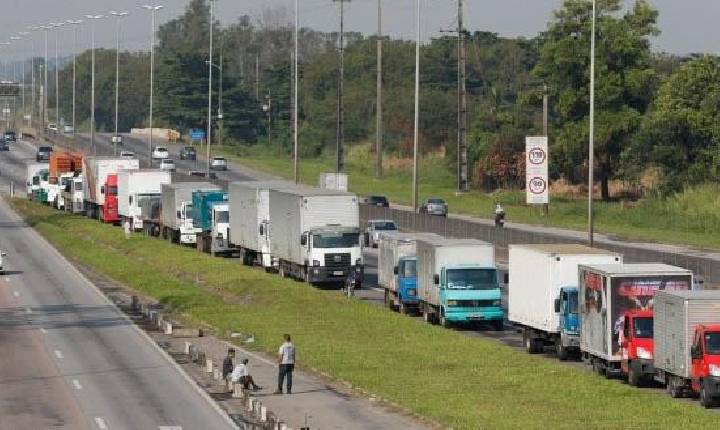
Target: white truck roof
637,269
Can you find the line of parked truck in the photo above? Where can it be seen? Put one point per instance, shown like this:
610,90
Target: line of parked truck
642,321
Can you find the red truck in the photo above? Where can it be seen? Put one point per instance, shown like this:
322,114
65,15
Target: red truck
109,211
637,346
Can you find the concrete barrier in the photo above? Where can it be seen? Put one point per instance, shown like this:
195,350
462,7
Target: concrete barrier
168,327
263,414
237,391
208,365
188,345
250,404
216,374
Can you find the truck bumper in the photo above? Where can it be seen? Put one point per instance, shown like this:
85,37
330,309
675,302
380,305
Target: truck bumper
643,366
490,314
319,275
712,386
409,297
570,340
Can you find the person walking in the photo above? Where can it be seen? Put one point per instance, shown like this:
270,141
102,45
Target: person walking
228,365
286,364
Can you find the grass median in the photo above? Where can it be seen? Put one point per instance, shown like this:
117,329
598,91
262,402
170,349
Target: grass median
449,378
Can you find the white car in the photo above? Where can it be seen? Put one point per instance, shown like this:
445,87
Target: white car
52,126
160,153
167,164
375,227
218,163
127,154
68,129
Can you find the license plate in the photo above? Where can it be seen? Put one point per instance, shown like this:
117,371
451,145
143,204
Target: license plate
338,273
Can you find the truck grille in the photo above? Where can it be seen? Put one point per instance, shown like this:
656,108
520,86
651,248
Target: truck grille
337,260
475,304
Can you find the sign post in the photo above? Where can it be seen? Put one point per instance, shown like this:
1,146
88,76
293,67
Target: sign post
536,170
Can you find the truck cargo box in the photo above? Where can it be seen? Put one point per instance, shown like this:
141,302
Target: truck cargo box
132,184
677,313
249,210
173,195
96,169
393,246
538,272
607,291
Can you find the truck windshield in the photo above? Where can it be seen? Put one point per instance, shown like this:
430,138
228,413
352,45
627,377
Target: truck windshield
112,190
572,303
385,226
471,279
335,240
408,269
78,185
712,343
222,217
643,327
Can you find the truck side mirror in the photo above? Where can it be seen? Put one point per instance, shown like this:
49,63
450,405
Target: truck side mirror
436,279
3,254
102,189
178,214
506,278
557,306
262,230
303,240
395,270
694,353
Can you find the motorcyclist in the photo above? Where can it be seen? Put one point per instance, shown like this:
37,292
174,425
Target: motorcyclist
499,215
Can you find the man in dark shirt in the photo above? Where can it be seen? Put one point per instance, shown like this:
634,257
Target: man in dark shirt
228,364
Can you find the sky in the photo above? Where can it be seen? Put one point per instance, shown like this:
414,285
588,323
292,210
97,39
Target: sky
687,25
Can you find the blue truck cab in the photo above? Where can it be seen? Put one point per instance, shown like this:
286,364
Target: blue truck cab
211,221
566,306
470,294
406,280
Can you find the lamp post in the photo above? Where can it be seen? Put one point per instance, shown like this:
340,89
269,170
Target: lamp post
75,24
210,69
56,26
220,112
152,9
417,111
118,16
591,145
4,76
32,75
23,36
92,18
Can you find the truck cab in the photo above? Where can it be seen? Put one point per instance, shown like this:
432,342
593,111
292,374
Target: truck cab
566,306
188,232
470,294
705,359
220,213
211,221
63,184
73,194
406,281
331,252
637,346
109,212
40,186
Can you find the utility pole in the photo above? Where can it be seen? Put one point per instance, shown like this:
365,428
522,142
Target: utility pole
32,75
75,29
152,8
220,102
57,26
546,207
45,78
462,155
92,18
378,102
118,16
417,111
295,95
210,70
257,77
591,146
340,135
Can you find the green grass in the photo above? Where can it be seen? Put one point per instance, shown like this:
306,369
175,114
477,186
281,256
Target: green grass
690,218
449,378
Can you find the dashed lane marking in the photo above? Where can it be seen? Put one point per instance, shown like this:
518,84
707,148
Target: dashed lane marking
100,423
59,354
76,384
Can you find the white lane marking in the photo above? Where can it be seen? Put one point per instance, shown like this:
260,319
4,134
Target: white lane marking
76,384
7,279
169,427
16,293
59,354
100,423
377,289
28,310
43,331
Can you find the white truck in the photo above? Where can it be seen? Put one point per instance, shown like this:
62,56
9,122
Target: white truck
543,295
250,219
134,188
72,194
315,233
33,177
176,213
458,282
97,187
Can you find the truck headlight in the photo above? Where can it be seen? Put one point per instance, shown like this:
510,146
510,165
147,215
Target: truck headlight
452,302
316,263
412,292
644,353
714,370
496,303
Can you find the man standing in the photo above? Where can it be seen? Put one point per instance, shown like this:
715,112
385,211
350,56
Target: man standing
228,365
286,363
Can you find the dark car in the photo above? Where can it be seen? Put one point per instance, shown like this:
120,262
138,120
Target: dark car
381,201
201,174
434,206
10,136
188,153
4,145
43,153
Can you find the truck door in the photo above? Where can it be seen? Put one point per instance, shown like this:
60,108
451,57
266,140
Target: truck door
696,358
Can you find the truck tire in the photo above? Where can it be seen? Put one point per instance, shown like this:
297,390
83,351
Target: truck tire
444,322
427,316
560,350
498,325
705,400
672,387
402,308
598,367
530,343
633,376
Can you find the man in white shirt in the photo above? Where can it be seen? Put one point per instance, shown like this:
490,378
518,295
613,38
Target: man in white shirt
286,364
241,374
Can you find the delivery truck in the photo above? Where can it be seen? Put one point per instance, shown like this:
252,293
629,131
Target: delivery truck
458,282
101,182
72,194
135,187
543,295
610,294
211,219
250,218
176,212
687,343
397,268
32,175
315,234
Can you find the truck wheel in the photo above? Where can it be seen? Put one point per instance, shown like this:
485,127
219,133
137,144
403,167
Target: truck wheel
598,367
705,400
498,325
444,322
402,308
560,350
530,343
427,316
633,376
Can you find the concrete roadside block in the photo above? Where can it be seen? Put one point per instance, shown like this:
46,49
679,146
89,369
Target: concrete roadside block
208,365
168,327
216,373
152,315
237,391
188,345
251,404
263,414
256,409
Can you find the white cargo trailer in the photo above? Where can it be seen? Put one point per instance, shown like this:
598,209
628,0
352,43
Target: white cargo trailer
176,211
542,293
96,170
457,282
610,293
250,217
136,186
315,233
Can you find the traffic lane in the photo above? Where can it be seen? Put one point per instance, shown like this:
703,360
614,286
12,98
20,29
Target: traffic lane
118,375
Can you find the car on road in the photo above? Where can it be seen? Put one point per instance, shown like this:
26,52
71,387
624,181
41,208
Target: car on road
2,254
10,136
4,146
127,154
380,201
43,153
434,206
188,153
68,129
167,164
200,174
160,153
375,227
52,126
218,163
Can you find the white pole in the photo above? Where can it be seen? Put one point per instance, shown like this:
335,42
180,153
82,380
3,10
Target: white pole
591,149
417,110
75,24
295,101
152,9
210,70
57,74
93,18
118,16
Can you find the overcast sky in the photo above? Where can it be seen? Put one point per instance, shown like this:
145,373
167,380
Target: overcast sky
687,25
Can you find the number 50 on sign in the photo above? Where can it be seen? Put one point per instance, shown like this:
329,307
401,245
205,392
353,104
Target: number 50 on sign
536,170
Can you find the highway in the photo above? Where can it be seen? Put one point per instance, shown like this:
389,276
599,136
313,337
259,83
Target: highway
70,359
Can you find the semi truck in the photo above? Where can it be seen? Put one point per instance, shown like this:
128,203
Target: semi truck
176,213
72,194
543,295
134,188
609,295
63,167
100,190
458,282
250,220
397,269
687,343
32,175
211,219
315,234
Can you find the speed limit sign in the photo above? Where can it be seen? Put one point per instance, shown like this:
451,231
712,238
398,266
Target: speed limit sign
536,170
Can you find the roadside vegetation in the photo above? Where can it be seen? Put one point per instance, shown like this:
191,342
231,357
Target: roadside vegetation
439,374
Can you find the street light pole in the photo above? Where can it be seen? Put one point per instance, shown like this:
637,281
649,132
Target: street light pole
591,146
210,70
57,26
21,36
295,96
45,78
32,75
118,16
152,9
417,110
92,18
75,24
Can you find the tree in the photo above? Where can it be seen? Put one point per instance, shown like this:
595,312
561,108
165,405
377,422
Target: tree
624,88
